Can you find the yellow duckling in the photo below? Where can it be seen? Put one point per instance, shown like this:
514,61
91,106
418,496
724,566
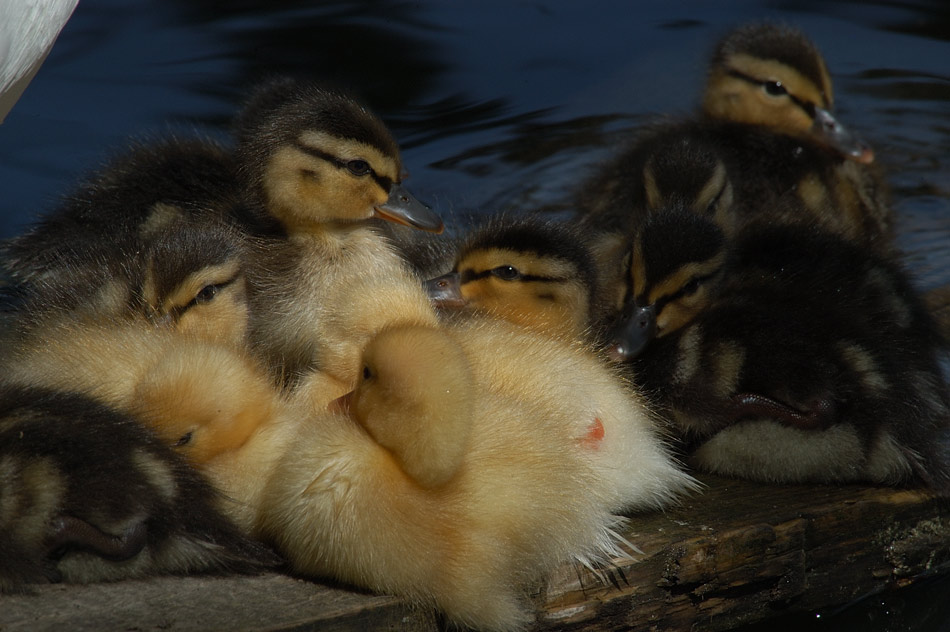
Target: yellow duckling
529,270
456,474
320,166
158,376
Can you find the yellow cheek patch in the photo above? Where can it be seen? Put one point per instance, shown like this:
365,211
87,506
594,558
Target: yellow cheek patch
304,190
683,275
346,149
223,320
638,274
188,289
735,99
679,313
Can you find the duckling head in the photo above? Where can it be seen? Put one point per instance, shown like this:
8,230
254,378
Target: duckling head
194,282
764,74
533,273
685,171
675,263
415,398
204,399
313,156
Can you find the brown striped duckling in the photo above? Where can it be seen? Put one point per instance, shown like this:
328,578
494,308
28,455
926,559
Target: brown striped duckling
766,117
90,495
188,277
107,219
321,167
424,452
796,372
529,270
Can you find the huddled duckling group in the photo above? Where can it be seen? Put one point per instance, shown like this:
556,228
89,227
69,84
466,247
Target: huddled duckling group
234,336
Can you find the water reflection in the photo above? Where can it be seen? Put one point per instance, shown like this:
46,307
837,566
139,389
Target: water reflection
497,105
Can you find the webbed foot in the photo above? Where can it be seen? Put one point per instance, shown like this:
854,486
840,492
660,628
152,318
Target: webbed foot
73,533
820,413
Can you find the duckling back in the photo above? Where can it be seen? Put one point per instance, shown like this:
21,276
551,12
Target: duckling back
539,459
66,518
139,191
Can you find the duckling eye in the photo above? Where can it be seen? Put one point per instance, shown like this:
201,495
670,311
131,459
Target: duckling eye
207,294
358,167
367,373
692,287
774,88
184,440
506,273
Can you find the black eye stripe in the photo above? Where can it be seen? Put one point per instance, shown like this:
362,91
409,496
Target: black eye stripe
177,311
384,183
469,275
806,106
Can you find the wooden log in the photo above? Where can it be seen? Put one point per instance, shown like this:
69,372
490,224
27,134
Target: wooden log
739,552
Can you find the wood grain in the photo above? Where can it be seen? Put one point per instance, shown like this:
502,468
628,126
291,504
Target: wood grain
739,552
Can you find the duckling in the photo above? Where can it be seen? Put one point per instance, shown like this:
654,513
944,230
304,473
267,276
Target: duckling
673,272
67,517
795,372
104,222
774,76
321,166
530,270
765,127
158,376
457,472
188,277
771,75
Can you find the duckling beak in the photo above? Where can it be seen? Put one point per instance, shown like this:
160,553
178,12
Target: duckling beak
446,290
633,332
403,208
840,138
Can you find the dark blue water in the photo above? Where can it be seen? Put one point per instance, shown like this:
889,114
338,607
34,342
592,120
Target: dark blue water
497,104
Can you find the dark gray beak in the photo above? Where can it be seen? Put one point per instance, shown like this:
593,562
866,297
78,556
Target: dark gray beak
403,208
837,136
445,291
633,331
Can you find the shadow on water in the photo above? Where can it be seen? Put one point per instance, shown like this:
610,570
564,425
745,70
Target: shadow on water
385,51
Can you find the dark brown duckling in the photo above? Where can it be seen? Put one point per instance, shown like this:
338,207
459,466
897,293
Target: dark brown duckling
87,494
795,371
766,118
103,222
187,277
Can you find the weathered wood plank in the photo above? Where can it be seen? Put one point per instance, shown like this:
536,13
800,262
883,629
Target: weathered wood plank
743,552
738,553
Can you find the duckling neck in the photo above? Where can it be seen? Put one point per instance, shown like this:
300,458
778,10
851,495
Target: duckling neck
340,240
